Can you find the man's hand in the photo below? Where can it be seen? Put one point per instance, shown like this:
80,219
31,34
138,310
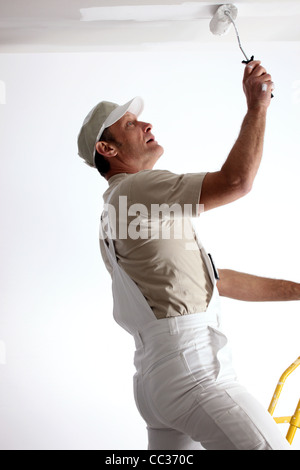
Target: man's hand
257,85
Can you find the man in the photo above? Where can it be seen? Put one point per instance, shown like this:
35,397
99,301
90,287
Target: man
165,287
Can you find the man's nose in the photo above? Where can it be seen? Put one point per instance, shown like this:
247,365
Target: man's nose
147,126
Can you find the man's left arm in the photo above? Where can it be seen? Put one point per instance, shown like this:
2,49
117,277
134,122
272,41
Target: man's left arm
250,288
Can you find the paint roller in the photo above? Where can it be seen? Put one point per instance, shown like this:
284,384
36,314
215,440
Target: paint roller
224,17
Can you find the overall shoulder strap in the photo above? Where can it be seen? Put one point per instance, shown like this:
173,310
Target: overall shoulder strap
106,232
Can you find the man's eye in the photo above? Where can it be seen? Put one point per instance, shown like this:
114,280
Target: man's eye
130,123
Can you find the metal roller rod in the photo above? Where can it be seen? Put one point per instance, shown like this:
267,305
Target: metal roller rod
227,13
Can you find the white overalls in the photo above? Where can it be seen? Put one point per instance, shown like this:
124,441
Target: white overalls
185,388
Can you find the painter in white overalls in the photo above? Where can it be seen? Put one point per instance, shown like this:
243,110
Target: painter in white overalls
165,295
185,387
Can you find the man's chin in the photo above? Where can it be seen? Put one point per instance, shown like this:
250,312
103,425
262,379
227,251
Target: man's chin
161,151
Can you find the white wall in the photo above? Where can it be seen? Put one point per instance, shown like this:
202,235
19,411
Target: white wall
65,367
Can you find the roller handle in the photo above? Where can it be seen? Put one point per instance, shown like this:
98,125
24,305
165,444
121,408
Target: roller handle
250,60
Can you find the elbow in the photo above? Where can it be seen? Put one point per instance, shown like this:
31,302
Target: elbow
219,189
240,187
246,186
239,183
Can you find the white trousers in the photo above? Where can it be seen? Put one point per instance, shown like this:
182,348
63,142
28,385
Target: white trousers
186,390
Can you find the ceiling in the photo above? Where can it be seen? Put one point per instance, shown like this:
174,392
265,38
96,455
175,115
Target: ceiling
98,25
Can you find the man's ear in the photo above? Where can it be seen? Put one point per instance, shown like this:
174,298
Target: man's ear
106,149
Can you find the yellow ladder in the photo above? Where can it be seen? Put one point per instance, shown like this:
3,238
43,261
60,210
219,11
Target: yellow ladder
294,420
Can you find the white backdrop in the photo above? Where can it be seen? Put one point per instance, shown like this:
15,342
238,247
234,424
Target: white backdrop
65,367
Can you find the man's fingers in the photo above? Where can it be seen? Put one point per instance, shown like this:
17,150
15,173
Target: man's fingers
268,86
258,71
251,67
257,84
255,71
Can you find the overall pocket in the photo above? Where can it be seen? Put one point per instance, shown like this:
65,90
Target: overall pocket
168,388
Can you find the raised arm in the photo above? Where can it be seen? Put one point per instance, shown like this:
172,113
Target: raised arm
236,176
242,286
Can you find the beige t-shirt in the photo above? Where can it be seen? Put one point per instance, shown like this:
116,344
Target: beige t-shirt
150,218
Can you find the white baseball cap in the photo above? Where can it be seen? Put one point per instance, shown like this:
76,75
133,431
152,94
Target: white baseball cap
103,115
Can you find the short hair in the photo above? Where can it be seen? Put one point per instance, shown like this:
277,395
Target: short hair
101,163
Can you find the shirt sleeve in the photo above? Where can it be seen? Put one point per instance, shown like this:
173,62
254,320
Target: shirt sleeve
159,187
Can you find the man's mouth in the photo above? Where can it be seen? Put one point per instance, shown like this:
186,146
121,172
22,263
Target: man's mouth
150,140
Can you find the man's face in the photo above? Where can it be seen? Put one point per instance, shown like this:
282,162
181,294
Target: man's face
137,147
